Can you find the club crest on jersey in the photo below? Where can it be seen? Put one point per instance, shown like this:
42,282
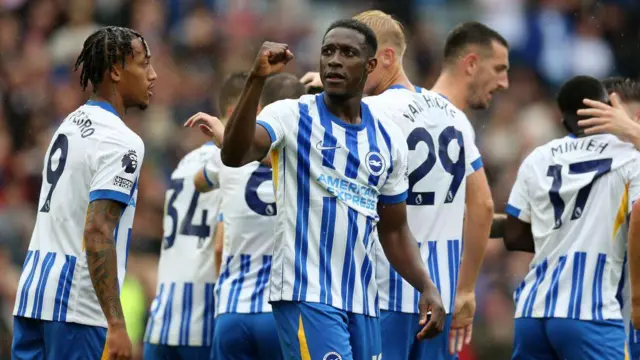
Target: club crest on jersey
332,356
130,162
375,163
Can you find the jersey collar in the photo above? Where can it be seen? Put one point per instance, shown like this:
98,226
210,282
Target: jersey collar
398,86
104,105
365,115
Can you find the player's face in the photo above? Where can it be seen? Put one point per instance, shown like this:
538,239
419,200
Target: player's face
489,77
138,77
344,62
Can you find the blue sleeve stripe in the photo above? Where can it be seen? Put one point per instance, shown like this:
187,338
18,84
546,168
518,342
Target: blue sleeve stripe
266,126
220,217
512,210
477,164
109,195
393,199
206,178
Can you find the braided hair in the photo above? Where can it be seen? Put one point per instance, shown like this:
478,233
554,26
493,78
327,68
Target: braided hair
102,50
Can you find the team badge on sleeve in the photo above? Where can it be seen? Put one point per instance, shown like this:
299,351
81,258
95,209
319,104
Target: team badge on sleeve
130,162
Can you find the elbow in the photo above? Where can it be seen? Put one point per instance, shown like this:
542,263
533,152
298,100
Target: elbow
218,251
487,207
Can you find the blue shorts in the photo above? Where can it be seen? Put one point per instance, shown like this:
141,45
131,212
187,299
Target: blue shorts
399,340
168,352
634,351
568,339
246,337
633,343
35,339
318,331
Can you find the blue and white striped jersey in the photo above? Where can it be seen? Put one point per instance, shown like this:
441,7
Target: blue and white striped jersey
249,209
576,193
93,155
329,177
183,310
442,154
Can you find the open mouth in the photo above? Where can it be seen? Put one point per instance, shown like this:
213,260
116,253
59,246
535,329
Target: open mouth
149,92
333,77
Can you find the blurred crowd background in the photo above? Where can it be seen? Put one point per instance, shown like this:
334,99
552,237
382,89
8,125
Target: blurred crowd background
196,43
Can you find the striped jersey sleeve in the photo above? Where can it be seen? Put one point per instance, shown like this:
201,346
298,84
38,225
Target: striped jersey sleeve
395,188
116,164
275,119
519,204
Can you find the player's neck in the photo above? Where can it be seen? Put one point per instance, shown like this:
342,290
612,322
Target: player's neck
453,88
346,109
111,98
396,76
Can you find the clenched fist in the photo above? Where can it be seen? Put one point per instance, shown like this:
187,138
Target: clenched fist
272,58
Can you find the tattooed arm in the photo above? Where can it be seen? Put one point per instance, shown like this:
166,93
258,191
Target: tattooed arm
102,219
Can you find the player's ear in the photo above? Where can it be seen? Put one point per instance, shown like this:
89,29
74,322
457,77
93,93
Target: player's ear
115,73
386,57
470,63
371,65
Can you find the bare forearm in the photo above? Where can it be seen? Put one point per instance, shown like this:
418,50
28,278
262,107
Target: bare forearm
240,131
403,253
218,245
476,235
634,258
102,218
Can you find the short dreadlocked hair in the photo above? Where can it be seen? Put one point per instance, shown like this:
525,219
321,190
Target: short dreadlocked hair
102,50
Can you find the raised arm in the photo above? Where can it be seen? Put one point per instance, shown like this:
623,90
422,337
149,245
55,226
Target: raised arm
101,221
243,141
611,119
403,253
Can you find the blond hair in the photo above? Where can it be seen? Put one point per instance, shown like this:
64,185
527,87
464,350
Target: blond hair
389,31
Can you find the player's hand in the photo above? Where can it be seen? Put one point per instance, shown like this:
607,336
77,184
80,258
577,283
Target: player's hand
610,119
209,125
272,58
311,80
462,322
118,343
430,302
